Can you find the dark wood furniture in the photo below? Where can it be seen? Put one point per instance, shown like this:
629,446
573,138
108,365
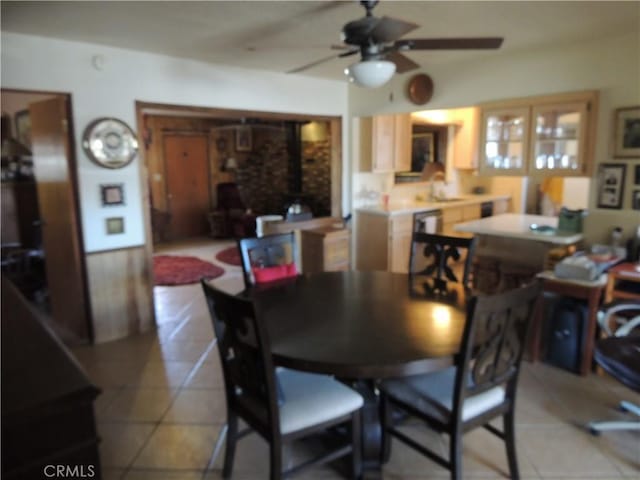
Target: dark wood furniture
238,220
479,388
362,326
47,400
440,257
266,251
623,282
254,390
582,290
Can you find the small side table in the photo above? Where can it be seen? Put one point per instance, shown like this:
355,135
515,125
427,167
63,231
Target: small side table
620,276
579,289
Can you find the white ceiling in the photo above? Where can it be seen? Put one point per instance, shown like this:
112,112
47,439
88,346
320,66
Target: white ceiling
282,35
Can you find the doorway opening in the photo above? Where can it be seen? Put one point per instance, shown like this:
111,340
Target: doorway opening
212,172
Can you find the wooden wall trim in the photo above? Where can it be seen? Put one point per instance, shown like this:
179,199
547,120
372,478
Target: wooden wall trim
120,282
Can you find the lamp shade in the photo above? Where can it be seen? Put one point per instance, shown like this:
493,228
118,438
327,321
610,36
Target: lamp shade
371,73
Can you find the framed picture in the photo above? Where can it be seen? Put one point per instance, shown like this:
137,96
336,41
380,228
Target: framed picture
115,225
112,194
627,133
23,127
243,139
422,150
636,176
611,185
635,200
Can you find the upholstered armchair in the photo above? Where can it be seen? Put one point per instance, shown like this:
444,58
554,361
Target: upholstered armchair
236,219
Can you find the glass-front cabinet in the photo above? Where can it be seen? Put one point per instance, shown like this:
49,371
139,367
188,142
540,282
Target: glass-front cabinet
541,135
504,140
558,137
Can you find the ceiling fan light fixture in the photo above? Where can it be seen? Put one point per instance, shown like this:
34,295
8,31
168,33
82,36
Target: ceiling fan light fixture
371,73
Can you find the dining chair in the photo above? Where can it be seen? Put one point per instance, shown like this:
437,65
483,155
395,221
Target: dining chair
268,258
281,405
619,356
440,257
478,388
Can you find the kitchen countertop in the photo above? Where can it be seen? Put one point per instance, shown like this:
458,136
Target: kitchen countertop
416,206
515,225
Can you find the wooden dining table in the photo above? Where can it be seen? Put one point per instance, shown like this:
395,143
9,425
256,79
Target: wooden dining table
361,327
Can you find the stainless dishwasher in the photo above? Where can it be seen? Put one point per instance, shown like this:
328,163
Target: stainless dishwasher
428,222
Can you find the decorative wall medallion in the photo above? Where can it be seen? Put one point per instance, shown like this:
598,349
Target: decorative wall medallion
420,89
110,143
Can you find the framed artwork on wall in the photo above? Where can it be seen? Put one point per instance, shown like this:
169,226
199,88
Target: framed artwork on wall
112,194
627,133
243,139
115,225
636,176
635,200
611,185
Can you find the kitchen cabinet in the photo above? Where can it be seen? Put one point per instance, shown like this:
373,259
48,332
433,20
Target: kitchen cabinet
454,215
504,140
383,241
385,143
539,136
465,138
325,249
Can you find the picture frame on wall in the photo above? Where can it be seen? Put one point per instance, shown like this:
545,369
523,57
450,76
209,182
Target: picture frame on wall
611,185
112,195
636,176
243,139
635,200
114,225
626,143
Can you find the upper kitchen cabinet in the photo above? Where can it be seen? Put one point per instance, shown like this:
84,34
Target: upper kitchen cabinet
504,140
558,137
539,136
385,143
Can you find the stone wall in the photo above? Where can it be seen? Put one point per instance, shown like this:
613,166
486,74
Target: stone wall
316,174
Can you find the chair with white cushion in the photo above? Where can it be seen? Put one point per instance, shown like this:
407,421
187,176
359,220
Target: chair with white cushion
478,388
281,405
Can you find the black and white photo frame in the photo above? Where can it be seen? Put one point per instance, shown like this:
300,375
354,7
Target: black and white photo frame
611,178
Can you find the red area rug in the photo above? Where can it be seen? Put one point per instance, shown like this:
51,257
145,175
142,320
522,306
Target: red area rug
174,270
230,256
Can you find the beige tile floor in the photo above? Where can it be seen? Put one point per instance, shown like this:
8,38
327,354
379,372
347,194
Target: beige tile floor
162,409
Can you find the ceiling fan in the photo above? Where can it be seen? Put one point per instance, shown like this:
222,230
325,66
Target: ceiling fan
379,44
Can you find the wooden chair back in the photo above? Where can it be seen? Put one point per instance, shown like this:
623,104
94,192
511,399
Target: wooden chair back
439,256
245,355
267,251
493,342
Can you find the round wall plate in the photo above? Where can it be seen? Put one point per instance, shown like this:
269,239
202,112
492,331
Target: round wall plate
420,89
110,142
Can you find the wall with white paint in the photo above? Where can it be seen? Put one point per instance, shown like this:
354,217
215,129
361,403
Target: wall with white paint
124,76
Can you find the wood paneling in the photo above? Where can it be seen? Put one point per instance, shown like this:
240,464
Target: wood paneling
119,285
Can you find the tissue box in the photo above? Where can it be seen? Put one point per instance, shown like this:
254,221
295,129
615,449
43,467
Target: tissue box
577,267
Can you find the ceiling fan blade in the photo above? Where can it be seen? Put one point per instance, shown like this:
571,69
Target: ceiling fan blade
403,64
349,53
389,29
313,64
478,43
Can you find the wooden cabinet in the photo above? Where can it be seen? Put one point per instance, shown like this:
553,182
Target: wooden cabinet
383,241
539,136
465,138
325,249
385,143
504,140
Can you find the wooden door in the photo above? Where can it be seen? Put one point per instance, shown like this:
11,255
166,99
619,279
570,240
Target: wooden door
54,168
188,196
